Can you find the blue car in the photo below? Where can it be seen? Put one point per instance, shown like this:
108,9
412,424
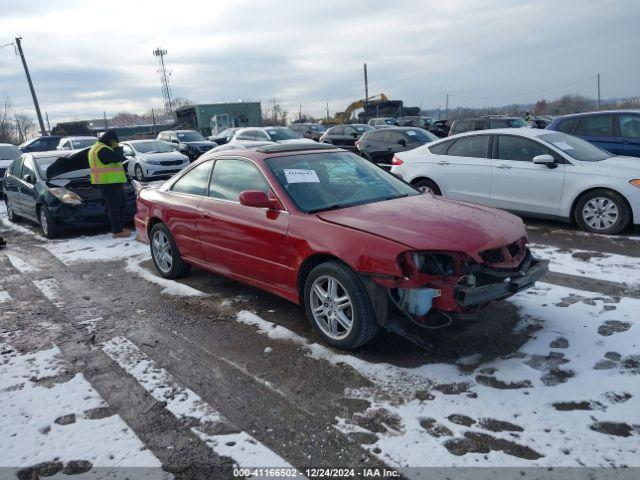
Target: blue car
617,131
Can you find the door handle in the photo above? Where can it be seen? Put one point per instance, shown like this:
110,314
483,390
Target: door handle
502,166
443,163
204,214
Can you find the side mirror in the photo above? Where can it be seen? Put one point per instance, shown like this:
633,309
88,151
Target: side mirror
259,199
174,141
28,178
544,160
354,134
402,142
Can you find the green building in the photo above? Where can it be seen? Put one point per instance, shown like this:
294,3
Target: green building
212,118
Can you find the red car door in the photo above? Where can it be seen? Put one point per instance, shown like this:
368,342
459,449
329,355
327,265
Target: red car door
244,241
180,211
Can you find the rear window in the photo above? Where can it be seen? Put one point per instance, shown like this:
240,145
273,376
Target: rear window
567,125
419,135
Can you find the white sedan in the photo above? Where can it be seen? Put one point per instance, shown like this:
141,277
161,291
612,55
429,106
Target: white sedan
531,172
152,159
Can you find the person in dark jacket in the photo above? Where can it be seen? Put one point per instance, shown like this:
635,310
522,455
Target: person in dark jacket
107,173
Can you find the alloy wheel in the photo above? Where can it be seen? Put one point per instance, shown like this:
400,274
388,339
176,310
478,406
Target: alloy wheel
139,173
425,189
600,213
162,251
331,307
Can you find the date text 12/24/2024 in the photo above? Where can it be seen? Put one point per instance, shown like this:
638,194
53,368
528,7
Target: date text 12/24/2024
316,473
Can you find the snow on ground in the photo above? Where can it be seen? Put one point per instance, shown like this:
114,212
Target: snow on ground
21,265
600,266
170,287
50,288
570,396
184,403
48,414
93,248
4,296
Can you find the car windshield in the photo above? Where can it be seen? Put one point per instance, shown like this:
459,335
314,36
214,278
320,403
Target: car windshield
419,135
326,181
390,121
318,128
9,152
516,122
190,137
576,147
81,143
152,146
282,134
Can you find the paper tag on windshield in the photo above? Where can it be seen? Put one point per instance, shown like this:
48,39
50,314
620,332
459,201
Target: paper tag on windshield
298,175
563,145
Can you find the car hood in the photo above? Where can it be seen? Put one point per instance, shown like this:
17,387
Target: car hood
617,166
161,156
69,163
425,222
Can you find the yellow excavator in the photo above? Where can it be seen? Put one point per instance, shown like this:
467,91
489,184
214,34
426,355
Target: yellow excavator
344,117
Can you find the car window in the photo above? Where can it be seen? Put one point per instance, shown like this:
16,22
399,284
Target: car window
497,124
520,149
51,143
28,169
232,177
127,150
441,148
480,125
260,135
379,136
396,137
246,135
195,181
629,126
419,135
567,125
337,131
475,147
595,126
16,167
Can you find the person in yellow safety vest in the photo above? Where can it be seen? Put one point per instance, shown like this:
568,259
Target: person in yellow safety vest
107,173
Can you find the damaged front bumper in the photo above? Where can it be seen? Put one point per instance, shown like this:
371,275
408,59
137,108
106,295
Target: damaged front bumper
501,284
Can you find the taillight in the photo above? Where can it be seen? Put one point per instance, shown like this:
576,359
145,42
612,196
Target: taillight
396,160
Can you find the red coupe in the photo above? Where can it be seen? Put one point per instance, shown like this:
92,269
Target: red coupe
328,229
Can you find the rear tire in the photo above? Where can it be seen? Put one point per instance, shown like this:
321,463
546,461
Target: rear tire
427,186
602,211
11,216
339,307
165,254
47,223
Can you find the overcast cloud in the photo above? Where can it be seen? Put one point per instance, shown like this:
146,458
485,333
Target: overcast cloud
90,56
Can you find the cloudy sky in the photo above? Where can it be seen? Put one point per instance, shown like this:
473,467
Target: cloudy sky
89,56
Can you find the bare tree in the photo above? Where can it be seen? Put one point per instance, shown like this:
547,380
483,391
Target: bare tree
541,107
25,127
7,132
274,114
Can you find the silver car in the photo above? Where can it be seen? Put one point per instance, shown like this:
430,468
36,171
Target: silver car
538,173
152,159
75,143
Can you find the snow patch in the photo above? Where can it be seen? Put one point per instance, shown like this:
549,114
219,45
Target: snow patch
93,248
21,265
30,434
50,289
170,287
4,296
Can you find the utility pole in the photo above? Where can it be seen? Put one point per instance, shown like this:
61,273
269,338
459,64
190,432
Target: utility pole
327,106
153,119
33,91
446,108
300,114
598,91
48,124
106,125
366,85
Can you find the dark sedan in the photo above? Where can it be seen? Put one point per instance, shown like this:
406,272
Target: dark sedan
379,146
345,136
41,144
61,199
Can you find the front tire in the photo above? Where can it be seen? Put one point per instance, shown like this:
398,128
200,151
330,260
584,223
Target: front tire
339,307
47,222
165,254
602,211
139,174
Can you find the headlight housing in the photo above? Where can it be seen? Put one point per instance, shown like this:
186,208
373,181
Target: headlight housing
66,196
152,162
441,264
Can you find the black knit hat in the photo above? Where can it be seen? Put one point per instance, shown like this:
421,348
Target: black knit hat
108,137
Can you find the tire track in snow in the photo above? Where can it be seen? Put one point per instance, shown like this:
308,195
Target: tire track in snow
185,404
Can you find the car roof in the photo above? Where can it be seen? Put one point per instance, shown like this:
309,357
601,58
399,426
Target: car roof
79,137
522,132
259,153
140,140
51,153
601,112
